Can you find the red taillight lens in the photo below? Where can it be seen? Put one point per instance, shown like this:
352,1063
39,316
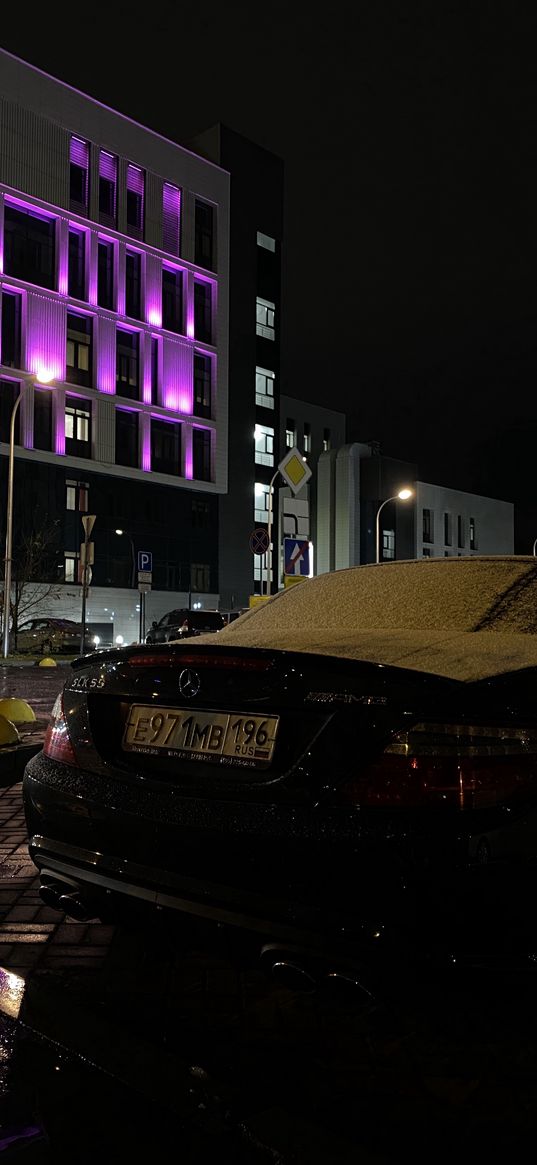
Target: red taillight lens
198,659
57,744
457,766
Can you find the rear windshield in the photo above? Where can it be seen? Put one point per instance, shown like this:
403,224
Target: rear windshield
208,621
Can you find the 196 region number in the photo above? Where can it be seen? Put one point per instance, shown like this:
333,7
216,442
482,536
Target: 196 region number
211,735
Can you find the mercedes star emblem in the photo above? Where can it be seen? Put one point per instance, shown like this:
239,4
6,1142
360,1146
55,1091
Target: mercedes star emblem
189,683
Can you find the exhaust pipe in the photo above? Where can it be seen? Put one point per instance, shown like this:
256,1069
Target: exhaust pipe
50,895
74,907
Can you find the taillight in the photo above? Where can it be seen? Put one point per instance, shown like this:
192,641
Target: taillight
198,659
57,744
458,766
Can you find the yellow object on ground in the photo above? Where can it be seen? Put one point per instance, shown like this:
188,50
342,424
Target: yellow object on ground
47,661
17,710
8,732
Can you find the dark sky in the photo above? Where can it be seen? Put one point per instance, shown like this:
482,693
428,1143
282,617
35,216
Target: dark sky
409,136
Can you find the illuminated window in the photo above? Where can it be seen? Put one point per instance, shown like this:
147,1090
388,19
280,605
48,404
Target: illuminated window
266,241
261,502
290,434
307,438
202,385
265,316
473,544
327,442
78,352
70,568
76,496
264,388
388,543
264,445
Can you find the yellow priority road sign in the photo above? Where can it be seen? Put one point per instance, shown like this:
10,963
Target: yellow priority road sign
294,469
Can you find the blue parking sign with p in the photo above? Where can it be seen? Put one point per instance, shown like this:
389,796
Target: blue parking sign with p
145,560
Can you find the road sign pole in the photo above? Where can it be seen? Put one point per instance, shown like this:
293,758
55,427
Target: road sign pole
269,530
88,522
142,617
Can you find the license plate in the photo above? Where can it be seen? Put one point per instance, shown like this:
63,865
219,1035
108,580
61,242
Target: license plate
233,737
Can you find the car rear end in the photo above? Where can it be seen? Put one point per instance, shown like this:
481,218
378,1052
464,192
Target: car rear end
327,804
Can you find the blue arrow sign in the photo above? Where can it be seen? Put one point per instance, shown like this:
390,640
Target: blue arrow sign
296,555
145,560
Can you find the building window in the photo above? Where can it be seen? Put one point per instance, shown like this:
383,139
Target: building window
154,368
11,329
165,447
202,386
29,246
135,201
127,364
264,445
105,274
204,235
79,176
266,241
426,553
78,356
261,502
76,496
77,264
70,568
201,454
172,299
460,531
9,392
133,284
447,529
307,438
171,219
78,427
428,526
107,188
290,433
472,539
201,515
264,388
43,420
327,440
200,578
265,313
202,311
126,438
388,543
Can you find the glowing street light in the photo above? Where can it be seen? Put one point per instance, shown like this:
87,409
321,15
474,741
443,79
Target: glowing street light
402,496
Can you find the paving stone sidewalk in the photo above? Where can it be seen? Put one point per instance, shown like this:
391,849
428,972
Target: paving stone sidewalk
33,935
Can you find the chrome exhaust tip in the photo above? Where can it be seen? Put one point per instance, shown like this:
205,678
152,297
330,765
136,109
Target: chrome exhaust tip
50,895
72,905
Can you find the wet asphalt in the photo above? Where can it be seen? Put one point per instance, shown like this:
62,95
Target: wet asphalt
155,1041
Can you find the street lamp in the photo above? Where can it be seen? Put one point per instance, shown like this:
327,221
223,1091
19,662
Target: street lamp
402,496
42,377
133,572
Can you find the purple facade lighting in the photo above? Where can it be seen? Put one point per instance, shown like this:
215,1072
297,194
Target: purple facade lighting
146,449
59,436
187,446
177,376
171,219
45,342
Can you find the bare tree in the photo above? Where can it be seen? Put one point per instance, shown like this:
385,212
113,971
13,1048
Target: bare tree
35,581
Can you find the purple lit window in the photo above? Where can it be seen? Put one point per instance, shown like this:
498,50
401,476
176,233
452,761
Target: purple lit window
201,452
133,284
107,188
172,300
79,175
128,364
29,246
10,354
171,219
202,385
135,201
165,446
77,264
202,311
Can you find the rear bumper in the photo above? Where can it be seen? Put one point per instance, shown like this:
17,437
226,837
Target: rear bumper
323,884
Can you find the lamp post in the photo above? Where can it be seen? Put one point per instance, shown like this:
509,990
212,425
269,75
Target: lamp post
133,553
402,496
45,380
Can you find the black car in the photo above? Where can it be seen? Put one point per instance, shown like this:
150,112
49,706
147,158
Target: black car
347,774
183,624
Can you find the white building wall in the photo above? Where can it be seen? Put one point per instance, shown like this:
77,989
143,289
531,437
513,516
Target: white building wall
493,522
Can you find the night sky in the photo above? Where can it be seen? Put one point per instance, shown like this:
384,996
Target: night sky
409,135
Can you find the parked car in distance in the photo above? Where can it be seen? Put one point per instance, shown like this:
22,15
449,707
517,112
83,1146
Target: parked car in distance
182,624
347,775
45,636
